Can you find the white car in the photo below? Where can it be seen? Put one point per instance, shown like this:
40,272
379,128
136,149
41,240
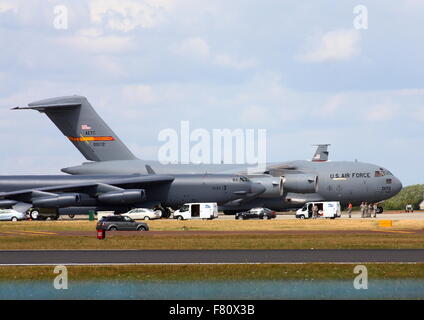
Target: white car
143,214
11,215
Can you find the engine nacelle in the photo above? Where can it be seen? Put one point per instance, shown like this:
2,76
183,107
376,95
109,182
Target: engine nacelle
272,185
300,183
129,196
7,203
60,201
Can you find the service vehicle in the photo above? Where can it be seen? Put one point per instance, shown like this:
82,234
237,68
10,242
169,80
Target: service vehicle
326,209
11,215
143,214
256,213
120,223
204,210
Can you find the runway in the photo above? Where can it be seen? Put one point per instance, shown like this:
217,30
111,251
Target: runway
119,257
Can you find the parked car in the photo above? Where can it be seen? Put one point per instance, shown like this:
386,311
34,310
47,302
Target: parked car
11,215
143,214
121,223
256,213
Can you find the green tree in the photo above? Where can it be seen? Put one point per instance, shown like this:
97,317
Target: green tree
408,195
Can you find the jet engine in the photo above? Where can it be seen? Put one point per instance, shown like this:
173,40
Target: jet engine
272,185
57,201
299,183
128,196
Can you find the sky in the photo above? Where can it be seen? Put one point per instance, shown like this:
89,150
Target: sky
303,71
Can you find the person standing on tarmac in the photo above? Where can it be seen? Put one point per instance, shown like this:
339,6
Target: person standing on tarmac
365,209
362,209
315,211
349,209
375,210
370,210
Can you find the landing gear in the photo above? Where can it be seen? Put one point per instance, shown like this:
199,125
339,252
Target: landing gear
379,209
166,212
34,214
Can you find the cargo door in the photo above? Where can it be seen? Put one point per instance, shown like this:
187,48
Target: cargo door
195,210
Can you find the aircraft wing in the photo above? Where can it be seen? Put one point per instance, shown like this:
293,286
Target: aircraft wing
114,184
279,169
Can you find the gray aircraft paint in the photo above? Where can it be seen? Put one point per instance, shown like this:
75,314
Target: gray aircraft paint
168,190
335,180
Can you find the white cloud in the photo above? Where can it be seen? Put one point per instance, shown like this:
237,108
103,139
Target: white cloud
6,5
338,45
126,15
225,60
93,43
332,105
138,94
254,115
381,113
199,49
195,47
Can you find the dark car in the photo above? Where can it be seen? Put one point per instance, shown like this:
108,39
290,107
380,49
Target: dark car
256,213
121,223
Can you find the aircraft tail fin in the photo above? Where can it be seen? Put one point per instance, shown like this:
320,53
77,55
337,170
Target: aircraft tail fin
321,154
79,122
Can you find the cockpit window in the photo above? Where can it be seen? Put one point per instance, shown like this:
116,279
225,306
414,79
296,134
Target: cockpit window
240,179
382,172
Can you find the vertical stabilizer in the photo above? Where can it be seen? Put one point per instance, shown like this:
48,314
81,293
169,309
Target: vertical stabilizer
321,154
79,122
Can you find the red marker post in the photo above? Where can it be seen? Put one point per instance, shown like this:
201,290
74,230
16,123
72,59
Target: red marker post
101,234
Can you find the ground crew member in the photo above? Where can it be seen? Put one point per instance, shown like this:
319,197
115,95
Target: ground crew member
375,210
315,211
349,209
362,209
370,210
366,209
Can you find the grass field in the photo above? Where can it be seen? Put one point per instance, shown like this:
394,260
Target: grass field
215,272
220,225
294,234
203,242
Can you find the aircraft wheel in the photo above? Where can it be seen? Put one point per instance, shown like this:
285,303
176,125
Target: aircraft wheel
166,213
380,209
34,214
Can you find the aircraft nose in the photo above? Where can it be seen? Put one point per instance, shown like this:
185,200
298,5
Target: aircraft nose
257,188
396,185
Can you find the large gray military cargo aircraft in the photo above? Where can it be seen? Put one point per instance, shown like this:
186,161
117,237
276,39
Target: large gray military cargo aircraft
287,184
78,194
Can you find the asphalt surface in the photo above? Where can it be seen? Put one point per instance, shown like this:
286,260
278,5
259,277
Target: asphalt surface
93,257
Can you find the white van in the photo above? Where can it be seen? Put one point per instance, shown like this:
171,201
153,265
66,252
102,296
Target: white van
326,209
197,211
